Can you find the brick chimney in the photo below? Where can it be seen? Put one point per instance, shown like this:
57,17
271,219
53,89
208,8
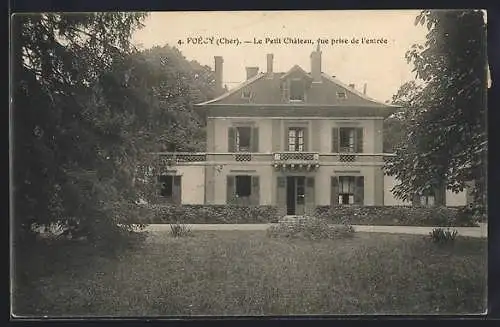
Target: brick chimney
270,57
252,71
316,65
218,74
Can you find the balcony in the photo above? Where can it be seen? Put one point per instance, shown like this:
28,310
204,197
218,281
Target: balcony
296,160
174,158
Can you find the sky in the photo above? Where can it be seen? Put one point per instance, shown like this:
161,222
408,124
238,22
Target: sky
382,66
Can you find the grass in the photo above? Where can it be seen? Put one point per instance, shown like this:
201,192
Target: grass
247,273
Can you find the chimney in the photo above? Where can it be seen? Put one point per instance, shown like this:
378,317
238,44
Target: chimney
316,65
270,63
218,74
364,89
252,71
352,86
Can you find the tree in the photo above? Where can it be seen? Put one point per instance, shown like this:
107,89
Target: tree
445,142
69,146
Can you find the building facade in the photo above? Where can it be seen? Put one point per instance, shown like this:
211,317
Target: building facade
292,139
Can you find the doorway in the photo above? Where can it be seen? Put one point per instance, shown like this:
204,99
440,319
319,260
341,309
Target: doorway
295,195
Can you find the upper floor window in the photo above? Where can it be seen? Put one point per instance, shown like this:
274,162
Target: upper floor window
296,90
347,140
243,139
296,139
347,135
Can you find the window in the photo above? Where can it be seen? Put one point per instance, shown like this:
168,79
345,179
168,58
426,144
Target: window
243,186
243,137
296,90
166,185
246,94
346,189
427,198
341,95
296,139
347,135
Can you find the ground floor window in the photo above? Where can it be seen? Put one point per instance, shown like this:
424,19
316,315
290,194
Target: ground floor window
170,188
243,186
346,189
166,185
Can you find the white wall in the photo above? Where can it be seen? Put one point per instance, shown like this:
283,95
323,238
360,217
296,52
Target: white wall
192,184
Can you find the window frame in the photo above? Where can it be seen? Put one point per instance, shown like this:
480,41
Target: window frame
237,181
163,183
294,82
351,140
351,189
298,138
237,138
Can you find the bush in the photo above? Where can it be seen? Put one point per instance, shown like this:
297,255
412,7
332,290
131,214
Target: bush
441,235
310,228
180,230
209,214
397,215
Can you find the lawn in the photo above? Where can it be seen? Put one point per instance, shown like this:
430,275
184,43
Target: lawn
247,273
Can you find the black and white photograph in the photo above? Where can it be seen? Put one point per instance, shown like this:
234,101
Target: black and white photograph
248,163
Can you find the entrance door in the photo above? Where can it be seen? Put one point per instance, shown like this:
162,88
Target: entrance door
295,195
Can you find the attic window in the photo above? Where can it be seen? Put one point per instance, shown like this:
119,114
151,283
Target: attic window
341,95
296,90
246,94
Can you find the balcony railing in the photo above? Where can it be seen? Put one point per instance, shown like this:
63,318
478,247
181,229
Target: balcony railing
297,159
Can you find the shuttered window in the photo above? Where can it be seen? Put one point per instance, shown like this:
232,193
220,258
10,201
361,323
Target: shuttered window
347,140
296,139
243,139
348,190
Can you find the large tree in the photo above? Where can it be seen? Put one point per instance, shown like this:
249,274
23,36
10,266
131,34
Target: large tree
445,143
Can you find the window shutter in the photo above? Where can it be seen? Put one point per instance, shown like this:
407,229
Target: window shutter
359,140
335,140
255,190
310,195
230,189
231,139
177,190
306,140
334,195
255,139
286,148
359,191
281,194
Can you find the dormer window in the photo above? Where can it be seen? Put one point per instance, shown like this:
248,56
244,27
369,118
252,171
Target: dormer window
246,94
296,90
341,95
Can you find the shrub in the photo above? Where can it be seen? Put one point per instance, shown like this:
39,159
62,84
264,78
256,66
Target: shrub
441,235
180,230
310,228
397,215
209,214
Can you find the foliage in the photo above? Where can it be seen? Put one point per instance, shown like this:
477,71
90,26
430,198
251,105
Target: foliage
87,109
397,215
310,228
442,236
445,119
180,230
208,214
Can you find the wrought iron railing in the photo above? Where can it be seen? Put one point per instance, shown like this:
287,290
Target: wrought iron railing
296,156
